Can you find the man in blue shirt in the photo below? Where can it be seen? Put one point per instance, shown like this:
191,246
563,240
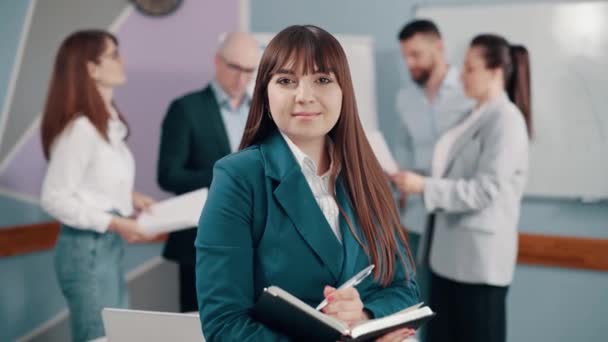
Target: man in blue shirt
434,101
427,107
199,129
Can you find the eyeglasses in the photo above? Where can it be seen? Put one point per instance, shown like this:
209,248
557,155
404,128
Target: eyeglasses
236,67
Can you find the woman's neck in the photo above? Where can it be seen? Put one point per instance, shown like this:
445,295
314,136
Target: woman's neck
493,92
106,95
317,151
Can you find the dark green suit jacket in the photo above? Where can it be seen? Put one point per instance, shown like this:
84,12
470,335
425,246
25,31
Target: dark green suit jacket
193,138
261,226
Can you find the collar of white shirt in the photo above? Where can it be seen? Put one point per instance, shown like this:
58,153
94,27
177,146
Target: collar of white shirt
305,162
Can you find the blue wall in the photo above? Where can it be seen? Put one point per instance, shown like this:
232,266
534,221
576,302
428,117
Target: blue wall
12,25
14,212
545,304
12,15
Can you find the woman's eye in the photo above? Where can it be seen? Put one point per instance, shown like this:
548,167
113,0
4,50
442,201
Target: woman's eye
324,80
285,81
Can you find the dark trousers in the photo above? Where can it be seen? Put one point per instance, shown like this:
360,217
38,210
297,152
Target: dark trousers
187,288
466,312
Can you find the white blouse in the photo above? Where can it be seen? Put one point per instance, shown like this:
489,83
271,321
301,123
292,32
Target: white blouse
447,140
319,185
88,177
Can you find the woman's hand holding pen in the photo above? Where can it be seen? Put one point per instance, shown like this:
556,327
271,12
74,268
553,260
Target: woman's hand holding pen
344,304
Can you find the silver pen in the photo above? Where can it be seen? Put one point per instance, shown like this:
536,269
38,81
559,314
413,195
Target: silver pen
352,282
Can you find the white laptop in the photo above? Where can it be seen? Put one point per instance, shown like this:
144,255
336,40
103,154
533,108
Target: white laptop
151,326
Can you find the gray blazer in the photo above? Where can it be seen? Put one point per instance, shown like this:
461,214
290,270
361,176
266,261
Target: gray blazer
477,201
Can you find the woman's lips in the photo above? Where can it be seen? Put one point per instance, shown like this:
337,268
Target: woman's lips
306,114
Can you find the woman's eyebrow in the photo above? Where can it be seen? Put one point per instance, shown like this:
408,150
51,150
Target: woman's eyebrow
285,71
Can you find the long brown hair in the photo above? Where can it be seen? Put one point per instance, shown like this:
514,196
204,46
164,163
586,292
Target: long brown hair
314,49
72,92
515,63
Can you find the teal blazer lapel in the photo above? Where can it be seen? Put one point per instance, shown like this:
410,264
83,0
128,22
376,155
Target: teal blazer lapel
295,197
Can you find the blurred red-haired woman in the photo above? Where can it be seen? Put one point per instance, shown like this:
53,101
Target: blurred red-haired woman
89,181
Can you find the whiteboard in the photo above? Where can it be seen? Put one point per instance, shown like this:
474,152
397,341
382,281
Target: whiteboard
568,45
360,54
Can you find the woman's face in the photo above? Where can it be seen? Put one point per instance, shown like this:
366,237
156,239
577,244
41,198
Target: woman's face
109,72
304,107
476,78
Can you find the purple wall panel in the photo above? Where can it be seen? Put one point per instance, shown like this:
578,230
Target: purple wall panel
165,57
25,172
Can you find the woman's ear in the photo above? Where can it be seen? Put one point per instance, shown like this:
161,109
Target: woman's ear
499,73
92,70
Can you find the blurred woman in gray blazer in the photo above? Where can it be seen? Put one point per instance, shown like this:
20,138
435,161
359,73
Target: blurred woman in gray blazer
474,193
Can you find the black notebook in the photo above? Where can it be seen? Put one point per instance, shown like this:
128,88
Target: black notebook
282,311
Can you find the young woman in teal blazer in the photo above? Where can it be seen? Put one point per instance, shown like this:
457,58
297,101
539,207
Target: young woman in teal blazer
304,205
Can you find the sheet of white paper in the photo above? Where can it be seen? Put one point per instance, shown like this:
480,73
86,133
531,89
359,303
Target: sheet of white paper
382,152
175,213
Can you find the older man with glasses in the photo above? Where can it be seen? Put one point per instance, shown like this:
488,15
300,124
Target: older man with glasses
200,128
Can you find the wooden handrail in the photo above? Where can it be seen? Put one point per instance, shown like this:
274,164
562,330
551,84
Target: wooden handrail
534,249
34,238
563,251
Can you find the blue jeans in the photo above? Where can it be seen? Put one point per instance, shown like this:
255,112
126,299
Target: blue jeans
91,276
